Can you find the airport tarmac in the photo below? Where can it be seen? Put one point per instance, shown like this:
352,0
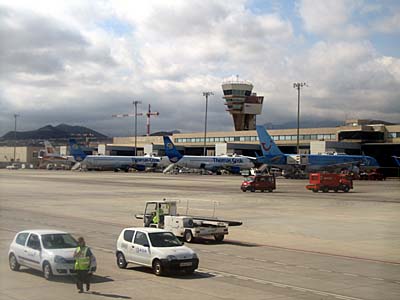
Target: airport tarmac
293,244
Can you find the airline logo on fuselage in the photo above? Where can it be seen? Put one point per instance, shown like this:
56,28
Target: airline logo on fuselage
145,160
267,148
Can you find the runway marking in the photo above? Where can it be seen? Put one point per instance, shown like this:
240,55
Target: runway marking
349,274
262,260
323,270
279,263
375,278
283,285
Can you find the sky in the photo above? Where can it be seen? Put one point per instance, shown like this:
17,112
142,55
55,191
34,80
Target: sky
80,62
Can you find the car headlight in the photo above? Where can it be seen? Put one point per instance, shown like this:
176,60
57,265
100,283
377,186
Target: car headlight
171,257
59,259
195,256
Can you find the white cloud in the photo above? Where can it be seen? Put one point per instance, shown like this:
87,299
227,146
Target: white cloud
389,24
331,18
87,60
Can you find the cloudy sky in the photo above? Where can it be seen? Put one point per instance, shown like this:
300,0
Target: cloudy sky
79,62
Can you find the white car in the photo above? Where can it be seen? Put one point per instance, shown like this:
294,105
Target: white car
156,248
49,251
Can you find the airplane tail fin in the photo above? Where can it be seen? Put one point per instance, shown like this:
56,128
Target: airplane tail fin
76,151
268,145
48,149
396,160
171,151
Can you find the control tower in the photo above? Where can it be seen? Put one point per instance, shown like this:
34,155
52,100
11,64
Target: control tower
241,103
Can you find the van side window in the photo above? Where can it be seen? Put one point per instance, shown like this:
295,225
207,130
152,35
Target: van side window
21,238
33,242
128,235
141,239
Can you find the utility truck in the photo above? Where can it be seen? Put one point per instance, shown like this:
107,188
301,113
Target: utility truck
325,182
164,214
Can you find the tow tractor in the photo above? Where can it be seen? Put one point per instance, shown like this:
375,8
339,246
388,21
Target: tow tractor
326,181
164,214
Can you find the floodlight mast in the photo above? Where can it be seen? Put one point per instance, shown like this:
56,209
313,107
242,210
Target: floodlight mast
15,134
206,94
298,86
135,103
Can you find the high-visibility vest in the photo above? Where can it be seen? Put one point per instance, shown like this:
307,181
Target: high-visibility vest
82,262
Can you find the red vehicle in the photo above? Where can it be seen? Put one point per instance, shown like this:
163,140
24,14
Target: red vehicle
259,183
373,175
325,182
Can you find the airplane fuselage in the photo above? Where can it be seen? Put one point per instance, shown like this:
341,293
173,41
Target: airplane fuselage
214,162
104,162
317,162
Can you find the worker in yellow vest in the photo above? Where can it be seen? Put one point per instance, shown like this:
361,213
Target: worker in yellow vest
83,257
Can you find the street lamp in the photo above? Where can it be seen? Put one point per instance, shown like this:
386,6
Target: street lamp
135,103
298,86
15,133
206,94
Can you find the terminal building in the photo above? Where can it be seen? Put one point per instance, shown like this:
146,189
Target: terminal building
370,137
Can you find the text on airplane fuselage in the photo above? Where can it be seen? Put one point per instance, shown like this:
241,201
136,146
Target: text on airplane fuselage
225,160
145,160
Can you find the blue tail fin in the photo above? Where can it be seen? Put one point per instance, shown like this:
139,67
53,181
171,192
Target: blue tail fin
170,150
268,145
76,151
397,160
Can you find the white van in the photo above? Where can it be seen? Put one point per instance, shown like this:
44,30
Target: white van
156,248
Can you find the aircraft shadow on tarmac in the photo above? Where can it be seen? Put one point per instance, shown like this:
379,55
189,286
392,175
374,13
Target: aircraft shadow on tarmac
176,275
68,279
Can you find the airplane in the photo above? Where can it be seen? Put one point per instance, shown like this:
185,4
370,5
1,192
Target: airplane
233,164
50,157
296,164
110,162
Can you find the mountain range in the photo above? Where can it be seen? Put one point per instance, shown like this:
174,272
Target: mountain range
49,132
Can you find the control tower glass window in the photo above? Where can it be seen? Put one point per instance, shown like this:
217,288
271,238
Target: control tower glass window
227,92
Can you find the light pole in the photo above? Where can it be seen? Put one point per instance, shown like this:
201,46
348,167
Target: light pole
15,133
206,94
135,103
298,86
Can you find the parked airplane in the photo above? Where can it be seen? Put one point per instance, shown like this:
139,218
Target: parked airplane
233,164
295,163
108,162
50,157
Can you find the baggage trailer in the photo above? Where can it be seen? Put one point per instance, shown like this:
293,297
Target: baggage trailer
326,182
164,214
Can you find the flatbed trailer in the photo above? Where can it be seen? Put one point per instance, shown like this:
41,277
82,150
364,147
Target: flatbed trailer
163,214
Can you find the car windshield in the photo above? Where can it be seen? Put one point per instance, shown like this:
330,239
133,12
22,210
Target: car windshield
58,241
164,239
250,179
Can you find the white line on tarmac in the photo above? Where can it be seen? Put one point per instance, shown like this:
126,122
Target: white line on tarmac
282,285
349,274
375,278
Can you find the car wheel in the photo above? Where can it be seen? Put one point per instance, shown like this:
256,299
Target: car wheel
121,262
325,190
335,190
188,236
270,191
47,273
252,190
219,237
14,265
315,190
157,268
346,188
244,190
